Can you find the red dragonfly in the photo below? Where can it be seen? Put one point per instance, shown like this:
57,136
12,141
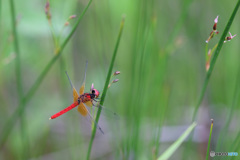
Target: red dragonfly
80,101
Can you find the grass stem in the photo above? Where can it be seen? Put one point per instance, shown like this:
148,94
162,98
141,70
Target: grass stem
105,87
171,150
209,140
23,126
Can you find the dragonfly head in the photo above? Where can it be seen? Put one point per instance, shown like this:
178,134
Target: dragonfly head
95,92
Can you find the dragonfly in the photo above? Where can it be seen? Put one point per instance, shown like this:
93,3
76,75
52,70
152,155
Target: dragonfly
81,100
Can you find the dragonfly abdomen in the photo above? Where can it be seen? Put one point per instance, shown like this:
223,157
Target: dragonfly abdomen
65,110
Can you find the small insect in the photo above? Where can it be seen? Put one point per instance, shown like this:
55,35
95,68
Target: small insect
80,100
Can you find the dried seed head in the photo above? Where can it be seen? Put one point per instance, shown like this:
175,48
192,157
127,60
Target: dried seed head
214,31
66,23
229,38
47,6
72,16
47,11
115,80
116,73
216,20
215,23
215,26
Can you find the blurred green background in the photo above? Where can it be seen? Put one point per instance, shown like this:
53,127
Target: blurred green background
161,58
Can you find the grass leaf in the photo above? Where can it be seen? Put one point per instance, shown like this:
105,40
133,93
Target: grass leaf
209,140
167,154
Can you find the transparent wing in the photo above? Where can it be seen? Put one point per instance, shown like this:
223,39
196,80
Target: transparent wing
84,112
81,90
105,111
75,94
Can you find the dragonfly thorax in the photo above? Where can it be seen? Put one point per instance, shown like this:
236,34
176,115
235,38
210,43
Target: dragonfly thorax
86,97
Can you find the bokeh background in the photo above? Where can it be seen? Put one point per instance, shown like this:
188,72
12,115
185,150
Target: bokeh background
161,58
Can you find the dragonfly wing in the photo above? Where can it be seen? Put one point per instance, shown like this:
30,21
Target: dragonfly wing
107,112
75,94
82,109
81,90
84,112
89,103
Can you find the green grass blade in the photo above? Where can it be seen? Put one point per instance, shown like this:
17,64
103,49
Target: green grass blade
167,154
214,58
105,87
18,112
209,140
17,52
23,128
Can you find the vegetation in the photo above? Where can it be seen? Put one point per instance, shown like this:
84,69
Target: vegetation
172,82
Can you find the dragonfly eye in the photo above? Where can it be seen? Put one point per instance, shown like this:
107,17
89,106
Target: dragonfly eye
95,92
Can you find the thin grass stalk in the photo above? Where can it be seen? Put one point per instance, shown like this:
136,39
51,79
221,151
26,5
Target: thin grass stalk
105,87
138,61
16,48
138,100
23,127
171,150
161,121
24,137
129,100
209,140
214,59
206,51
12,120
230,115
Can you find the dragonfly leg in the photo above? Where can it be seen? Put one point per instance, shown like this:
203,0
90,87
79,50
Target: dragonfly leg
96,100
